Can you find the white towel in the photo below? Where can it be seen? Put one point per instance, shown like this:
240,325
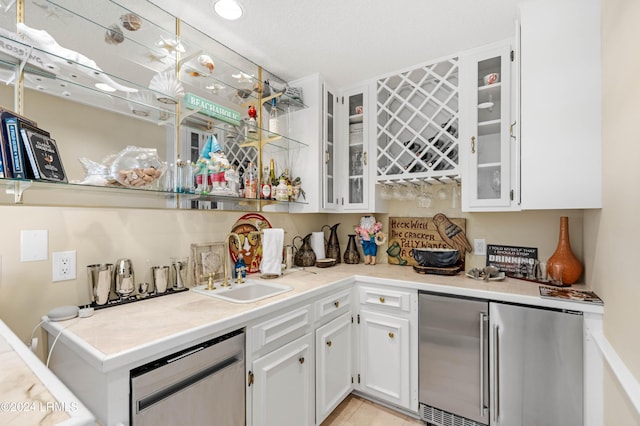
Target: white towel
272,243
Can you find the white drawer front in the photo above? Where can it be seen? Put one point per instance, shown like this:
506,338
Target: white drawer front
398,300
281,329
333,305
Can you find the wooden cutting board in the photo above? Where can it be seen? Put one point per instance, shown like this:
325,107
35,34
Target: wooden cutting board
407,233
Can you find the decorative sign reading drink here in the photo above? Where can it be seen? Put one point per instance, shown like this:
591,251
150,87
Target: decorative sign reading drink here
407,233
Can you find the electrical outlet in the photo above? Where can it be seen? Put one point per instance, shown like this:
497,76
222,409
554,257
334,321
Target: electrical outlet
480,247
63,265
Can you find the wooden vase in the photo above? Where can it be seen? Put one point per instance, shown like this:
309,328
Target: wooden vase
571,266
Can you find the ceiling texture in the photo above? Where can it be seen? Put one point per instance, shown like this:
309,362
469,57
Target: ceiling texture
348,41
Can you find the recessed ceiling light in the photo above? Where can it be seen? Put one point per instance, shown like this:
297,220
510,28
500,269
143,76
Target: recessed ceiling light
228,9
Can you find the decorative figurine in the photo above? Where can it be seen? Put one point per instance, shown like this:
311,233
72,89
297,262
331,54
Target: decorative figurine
241,266
253,114
211,167
371,236
207,62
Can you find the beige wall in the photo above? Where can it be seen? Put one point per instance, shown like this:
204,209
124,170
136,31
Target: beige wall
612,234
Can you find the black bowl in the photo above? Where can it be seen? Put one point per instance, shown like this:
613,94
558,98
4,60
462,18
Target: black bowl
436,257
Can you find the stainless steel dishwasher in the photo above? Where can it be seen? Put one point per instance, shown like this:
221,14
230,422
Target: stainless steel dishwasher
200,385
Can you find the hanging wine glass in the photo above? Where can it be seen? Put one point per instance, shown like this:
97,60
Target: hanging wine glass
385,192
424,198
411,192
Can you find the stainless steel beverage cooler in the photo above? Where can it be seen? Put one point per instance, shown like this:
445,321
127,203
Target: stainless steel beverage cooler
496,363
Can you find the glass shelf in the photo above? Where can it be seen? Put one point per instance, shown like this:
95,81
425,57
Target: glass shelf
126,45
76,194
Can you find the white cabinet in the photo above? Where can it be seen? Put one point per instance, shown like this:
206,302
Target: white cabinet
282,383
333,364
488,148
329,185
280,369
356,188
316,164
384,357
387,345
560,104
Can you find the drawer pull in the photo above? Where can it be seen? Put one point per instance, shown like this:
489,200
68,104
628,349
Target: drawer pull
381,299
391,335
336,303
329,343
301,359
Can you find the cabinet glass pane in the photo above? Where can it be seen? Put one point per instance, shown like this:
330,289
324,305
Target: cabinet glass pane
489,119
356,157
329,154
356,194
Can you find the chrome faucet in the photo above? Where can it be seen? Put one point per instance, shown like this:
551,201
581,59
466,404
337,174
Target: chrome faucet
227,257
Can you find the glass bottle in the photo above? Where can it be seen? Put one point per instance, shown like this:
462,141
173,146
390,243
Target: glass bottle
265,185
272,178
273,118
282,194
250,181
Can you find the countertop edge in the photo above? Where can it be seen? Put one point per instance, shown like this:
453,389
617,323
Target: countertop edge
80,415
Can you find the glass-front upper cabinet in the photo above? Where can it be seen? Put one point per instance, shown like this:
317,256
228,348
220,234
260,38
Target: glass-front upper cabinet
488,148
329,195
354,150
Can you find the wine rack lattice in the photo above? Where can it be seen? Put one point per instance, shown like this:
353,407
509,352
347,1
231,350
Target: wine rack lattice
417,123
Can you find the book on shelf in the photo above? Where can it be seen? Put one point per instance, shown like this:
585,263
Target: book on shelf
11,150
570,294
42,152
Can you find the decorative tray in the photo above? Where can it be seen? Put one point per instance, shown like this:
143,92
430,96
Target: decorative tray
452,270
498,277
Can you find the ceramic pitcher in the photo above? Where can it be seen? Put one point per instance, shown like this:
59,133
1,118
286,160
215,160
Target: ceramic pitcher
332,250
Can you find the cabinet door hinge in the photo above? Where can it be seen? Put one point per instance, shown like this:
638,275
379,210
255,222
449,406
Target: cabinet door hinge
250,378
358,378
511,194
358,318
351,379
513,55
342,100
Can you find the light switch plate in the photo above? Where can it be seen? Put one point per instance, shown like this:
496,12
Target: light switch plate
34,245
480,247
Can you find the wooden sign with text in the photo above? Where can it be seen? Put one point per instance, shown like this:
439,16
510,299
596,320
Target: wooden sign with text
407,233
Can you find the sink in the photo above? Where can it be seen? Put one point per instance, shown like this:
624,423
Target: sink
247,292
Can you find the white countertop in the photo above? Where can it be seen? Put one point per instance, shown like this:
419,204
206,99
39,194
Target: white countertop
30,393
142,331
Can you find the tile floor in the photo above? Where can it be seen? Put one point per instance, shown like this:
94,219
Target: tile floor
356,411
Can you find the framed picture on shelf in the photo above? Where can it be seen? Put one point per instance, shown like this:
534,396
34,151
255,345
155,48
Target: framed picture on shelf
207,259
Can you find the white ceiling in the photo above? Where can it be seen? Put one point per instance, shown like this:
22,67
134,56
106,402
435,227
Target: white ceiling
348,41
